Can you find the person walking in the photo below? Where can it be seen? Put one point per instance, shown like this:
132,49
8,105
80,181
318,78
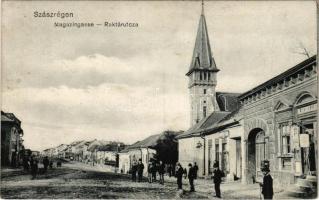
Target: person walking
217,176
134,170
191,177
169,170
161,170
154,170
45,163
149,172
179,175
140,169
34,168
267,189
25,163
196,169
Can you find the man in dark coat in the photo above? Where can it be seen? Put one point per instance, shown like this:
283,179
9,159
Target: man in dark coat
191,177
267,189
149,172
45,163
196,169
217,176
179,175
154,170
161,169
134,170
34,168
140,168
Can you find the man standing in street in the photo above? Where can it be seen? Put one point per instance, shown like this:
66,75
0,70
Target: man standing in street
217,176
267,189
179,175
196,169
34,168
140,168
191,177
45,163
161,170
134,169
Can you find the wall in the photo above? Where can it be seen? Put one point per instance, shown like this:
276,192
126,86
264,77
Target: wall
189,153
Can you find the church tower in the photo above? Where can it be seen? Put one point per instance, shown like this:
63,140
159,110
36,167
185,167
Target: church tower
202,76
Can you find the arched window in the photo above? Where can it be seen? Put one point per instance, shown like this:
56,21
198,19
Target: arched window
305,98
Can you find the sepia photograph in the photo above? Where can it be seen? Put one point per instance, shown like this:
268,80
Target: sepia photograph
195,99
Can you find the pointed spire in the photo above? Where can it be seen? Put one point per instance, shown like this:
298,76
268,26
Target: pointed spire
202,55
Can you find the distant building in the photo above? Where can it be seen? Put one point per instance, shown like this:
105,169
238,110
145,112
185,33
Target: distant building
11,140
144,150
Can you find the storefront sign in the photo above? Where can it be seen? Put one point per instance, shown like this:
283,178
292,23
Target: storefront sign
306,109
295,136
304,140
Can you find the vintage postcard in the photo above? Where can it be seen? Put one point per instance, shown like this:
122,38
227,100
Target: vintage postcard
159,99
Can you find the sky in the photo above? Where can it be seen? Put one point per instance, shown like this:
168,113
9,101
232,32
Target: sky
124,84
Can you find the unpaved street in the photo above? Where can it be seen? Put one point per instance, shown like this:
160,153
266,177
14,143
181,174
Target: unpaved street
78,180
66,182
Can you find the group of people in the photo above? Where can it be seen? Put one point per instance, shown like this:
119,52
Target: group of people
192,175
31,164
180,172
137,168
153,169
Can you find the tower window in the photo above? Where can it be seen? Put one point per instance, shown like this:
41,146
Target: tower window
209,76
204,91
204,111
200,76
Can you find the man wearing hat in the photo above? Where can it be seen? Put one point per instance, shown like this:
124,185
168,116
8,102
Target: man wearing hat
267,189
191,177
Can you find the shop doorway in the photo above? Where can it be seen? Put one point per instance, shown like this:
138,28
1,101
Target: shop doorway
308,158
256,153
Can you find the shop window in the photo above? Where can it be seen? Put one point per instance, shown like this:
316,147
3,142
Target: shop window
285,138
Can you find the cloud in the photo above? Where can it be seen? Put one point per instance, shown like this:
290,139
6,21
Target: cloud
110,109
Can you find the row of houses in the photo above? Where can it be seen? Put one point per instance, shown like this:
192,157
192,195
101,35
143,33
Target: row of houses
275,121
95,151
157,147
12,149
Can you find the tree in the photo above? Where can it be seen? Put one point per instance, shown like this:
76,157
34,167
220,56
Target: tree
167,148
302,50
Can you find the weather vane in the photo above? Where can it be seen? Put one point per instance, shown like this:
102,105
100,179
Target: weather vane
202,6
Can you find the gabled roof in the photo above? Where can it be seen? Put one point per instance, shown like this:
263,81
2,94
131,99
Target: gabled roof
205,123
202,55
150,141
76,143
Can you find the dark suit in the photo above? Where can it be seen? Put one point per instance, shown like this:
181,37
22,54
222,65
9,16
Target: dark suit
191,177
217,176
267,189
179,175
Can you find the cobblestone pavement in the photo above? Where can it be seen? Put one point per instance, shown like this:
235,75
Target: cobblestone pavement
78,180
